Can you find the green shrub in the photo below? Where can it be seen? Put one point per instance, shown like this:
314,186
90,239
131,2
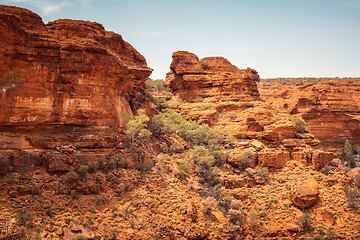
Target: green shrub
304,222
207,170
244,161
204,64
83,170
236,217
263,173
350,153
325,170
300,124
253,217
169,122
137,127
351,196
183,170
158,85
220,157
357,180
71,178
176,148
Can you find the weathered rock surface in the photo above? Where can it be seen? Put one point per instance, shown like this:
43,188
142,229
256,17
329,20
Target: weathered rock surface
331,108
68,80
217,93
212,77
273,157
65,72
321,159
305,194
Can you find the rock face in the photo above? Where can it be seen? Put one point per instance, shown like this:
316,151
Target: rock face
217,93
214,78
331,108
66,83
305,194
65,72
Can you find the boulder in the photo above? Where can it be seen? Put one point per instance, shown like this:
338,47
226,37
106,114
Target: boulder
237,153
273,157
305,194
321,159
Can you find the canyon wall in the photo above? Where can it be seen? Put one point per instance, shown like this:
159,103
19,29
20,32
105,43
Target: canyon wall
65,72
330,108
65,83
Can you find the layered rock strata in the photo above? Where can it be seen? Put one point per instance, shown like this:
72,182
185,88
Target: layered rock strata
217,93
65,80
331,108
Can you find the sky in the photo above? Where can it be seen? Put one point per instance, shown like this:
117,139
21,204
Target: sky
278,38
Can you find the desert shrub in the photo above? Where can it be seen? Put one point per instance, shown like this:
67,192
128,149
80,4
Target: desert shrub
331,235
357,180
71,178
263,173
204,64
83,170
158,85
253,217
304,222
218,192
137,127
325,170
145,166
169,122
183,170
207,170
350,154
176,148
236,217
351,196
25,219
159,102
244,161
300,124
220,157
236,204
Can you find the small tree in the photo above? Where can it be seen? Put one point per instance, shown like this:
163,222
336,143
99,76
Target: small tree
137,127
304,222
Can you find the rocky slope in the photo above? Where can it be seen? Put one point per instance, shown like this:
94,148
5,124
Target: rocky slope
263,180
331,108
65,83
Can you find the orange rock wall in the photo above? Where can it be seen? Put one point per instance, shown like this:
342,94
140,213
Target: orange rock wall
65,72
212,77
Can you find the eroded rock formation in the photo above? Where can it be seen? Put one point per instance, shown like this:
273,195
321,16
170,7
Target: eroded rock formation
331,109
213,78
65,80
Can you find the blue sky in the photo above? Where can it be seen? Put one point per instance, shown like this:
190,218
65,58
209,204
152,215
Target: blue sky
278,38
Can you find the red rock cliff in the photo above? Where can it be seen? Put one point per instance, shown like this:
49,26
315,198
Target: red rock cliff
330,108
65,72
63,89
212,77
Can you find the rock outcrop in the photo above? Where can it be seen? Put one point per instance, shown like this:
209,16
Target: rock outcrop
217,93
331,109
213,78
65,82
65,72
305,194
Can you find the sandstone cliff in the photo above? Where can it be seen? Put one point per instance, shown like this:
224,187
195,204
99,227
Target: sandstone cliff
331,108
66,83
65,72
213,78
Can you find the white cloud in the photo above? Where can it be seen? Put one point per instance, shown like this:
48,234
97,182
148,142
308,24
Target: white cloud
46,7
